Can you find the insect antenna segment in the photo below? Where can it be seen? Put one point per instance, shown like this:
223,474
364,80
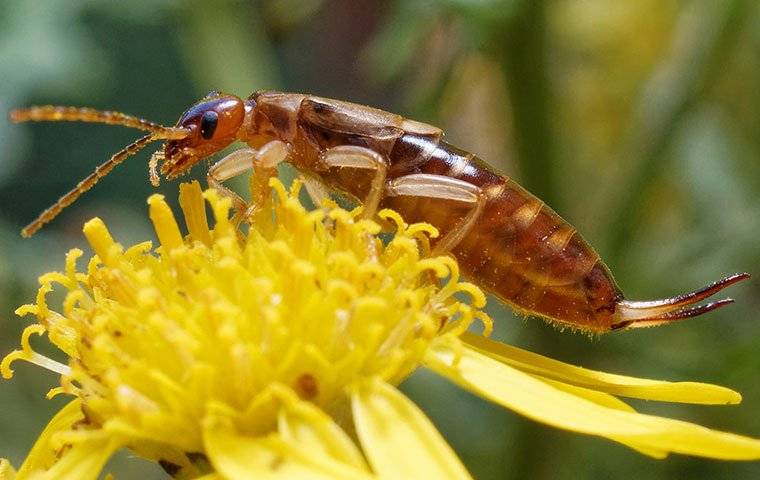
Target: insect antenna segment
58,113
637,314
54,113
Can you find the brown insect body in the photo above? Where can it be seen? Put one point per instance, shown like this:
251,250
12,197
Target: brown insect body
505,239
521,250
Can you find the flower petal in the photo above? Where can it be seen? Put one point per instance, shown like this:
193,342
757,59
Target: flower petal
7,472
606,400
542,402
84,460
399,440
309,428
49,459
241,457
43,453
683,392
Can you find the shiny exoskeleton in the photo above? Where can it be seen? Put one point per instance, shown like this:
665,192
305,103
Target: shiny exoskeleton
504,238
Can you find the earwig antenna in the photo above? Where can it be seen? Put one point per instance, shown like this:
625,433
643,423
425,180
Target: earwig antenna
648,314
56,113
86,184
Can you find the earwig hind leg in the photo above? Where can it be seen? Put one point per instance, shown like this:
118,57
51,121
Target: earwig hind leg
446,188
638,314
365,158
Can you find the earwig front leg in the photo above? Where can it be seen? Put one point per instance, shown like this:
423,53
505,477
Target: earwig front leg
446,188
230,166
264,163
360,157
153,176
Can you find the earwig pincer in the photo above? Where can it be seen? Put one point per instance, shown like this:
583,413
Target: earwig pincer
504,238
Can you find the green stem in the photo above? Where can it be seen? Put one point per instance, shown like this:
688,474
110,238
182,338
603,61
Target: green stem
523,52
702,44
522,49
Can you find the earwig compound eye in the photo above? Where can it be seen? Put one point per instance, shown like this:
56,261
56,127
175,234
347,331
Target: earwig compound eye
209,120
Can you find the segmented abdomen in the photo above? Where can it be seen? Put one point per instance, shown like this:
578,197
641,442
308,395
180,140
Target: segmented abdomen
519,249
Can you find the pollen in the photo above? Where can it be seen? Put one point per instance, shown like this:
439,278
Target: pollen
220,326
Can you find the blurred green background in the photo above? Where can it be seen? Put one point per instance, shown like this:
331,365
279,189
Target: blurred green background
636,120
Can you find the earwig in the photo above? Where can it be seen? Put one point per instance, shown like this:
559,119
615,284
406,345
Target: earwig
504,238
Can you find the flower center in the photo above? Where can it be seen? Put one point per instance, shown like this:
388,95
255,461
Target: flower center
218,324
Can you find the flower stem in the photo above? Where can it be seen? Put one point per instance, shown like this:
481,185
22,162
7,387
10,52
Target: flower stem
702,43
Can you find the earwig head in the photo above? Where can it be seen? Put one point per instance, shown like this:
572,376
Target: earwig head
213,124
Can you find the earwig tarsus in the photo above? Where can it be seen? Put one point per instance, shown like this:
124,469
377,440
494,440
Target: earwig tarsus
505,239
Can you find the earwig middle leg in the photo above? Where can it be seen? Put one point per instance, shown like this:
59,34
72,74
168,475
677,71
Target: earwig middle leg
446,188
360,157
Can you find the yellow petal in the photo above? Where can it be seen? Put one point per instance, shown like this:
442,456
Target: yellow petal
43,453
82,461
399,440
7,472
306,426
240,457
542,402
683,392
606,400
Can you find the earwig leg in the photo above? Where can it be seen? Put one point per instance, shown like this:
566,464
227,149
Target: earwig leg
264,163
318,193
446,188
365,158
155,180
636,314
265,167
230,166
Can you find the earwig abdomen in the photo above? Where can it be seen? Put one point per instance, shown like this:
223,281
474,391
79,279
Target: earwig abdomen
517,248
520,250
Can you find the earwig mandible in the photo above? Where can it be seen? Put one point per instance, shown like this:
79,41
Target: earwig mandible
504,238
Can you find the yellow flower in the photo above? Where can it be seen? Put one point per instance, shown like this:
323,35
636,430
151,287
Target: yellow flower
277,352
